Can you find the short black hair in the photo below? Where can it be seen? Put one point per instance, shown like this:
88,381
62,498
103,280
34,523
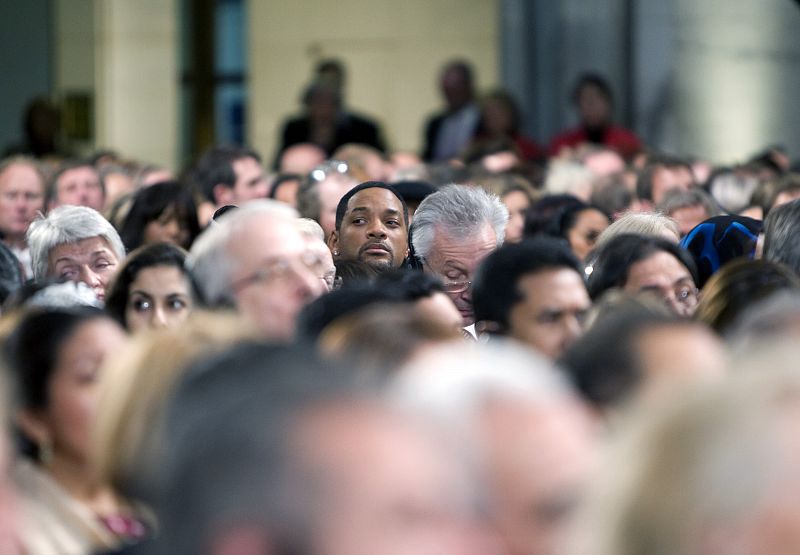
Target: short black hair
281,180
615,258
341,208
494,289
644,182
215,167
410,285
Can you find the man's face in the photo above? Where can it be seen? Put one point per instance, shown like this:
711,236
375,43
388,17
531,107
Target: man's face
250,182
669,178
593,106
331,190
274,275
373,230
383,486
665,276
538,464
91,261
455,259
21,198
689,216
456,88
550,315
81,187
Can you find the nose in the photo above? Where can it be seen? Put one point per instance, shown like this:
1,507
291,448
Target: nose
159,317
93,280
376,229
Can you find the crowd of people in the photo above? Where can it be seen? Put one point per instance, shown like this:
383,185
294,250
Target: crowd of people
492,347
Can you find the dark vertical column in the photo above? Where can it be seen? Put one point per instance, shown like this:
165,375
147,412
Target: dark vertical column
202,72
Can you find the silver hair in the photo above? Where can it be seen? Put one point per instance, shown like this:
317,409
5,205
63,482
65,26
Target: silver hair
310,228
455,393
458,210
640,223
209,259
65,225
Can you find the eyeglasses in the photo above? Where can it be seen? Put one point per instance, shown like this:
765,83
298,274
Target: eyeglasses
283,270
325,169
455,287
683,294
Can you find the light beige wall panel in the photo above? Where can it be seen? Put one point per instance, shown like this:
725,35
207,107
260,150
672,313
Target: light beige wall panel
137,78
393,51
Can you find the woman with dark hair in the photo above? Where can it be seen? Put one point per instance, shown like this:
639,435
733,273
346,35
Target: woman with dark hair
56,356
580,224
161,212
152,289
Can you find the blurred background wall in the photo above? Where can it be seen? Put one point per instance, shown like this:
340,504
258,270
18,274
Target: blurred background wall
160,80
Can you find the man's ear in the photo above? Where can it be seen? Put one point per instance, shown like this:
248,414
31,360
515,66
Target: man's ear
222,194
333,243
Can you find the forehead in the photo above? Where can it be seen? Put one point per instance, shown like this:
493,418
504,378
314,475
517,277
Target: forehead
265,236
591,217
79,173
554,286
85,248
20,174
448,247
159,278
375,198
659,268
247,164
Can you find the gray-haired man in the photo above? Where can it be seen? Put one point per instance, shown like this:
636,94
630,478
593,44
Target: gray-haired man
454,229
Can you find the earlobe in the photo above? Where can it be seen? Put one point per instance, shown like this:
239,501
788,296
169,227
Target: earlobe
333,243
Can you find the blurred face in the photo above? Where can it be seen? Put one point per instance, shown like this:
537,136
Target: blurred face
689,217
665,276
550,316
373,230
331,190
517,203
318,248
588,226
666,179
384,487
497,117
676,356
455,259
594,108
167,228
91,261
21,198
70,411
159,297
538,462
274,275
250,181
80,186
456,88
117,185
287,192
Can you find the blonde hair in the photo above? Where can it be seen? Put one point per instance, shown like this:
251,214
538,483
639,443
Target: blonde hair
135,387
695,466
640,223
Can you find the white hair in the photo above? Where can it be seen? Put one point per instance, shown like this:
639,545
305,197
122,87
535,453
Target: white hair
209,260
451,384
640,223
457,210
570,178
310,228
66,225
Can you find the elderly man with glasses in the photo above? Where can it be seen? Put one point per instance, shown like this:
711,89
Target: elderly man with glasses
256,260
454,229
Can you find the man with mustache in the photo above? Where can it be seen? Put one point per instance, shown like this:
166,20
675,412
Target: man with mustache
371,226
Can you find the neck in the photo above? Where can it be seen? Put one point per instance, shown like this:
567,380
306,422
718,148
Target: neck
81,483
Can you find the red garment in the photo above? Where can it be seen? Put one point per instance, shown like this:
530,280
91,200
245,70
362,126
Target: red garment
529,149
620,139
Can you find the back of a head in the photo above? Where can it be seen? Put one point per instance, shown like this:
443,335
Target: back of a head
459,211
495,289
781,229
641,223
717,457
230,426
